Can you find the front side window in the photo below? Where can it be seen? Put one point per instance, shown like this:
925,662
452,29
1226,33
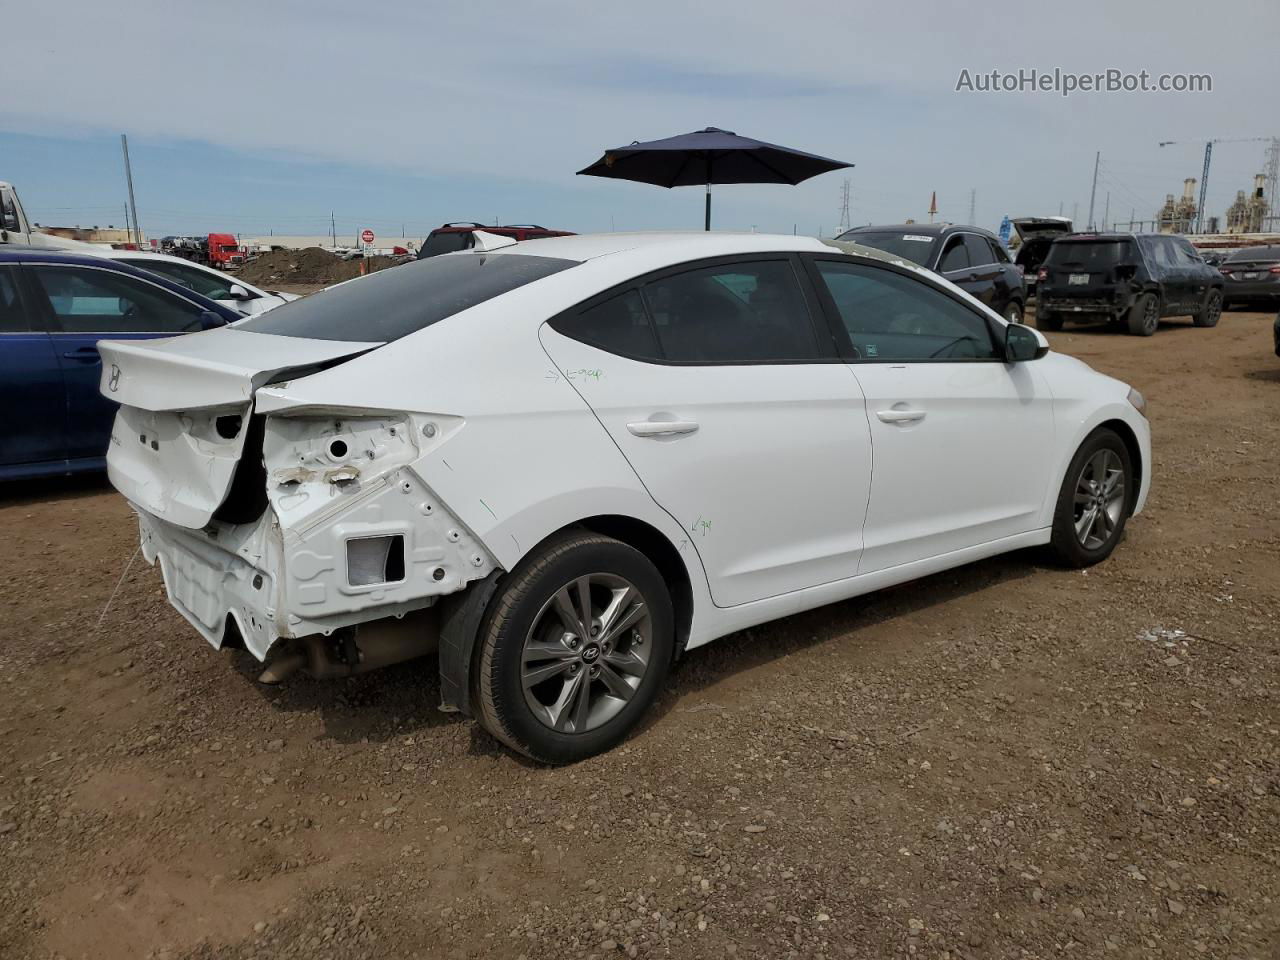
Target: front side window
215,286
89,300
954,257
892,317
749,312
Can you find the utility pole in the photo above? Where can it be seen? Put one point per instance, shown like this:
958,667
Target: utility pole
333,230
1273,174
1075,213
973,204
1107,212
128,176
1097,159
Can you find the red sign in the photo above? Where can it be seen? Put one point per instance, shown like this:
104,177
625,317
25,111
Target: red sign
366,236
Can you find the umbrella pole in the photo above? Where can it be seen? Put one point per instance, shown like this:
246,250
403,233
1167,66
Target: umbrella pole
708,223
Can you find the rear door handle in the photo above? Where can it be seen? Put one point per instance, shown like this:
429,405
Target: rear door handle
900,416
88,354
662,428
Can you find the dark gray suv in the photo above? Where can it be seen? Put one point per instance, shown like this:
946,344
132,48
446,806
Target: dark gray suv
1130,280
970,257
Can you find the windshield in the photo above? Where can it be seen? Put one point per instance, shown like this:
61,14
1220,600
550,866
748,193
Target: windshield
215,286
1094,254
438,242
394,303
1255,254
916,247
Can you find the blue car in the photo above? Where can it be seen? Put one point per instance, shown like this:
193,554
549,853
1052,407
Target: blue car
54,308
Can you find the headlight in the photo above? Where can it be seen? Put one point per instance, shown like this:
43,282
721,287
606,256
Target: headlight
1138,400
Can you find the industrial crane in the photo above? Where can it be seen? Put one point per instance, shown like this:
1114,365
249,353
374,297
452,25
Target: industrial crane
1204,176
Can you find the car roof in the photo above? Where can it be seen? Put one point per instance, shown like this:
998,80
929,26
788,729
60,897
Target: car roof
23,254
689,245
924,229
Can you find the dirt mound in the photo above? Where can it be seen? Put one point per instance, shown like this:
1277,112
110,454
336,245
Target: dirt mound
311,265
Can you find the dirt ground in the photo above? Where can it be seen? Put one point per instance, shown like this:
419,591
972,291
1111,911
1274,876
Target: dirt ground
1003,761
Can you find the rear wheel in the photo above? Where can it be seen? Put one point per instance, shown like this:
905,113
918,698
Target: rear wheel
1093,503
575,650
1211,311
1144,316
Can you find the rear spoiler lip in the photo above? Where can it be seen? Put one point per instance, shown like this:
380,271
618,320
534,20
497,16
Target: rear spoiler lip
204,371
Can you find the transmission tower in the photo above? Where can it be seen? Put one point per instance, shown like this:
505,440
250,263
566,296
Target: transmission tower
1273,174
973,205
844,206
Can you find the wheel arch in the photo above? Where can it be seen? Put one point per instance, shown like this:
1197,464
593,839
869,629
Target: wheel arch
1130,440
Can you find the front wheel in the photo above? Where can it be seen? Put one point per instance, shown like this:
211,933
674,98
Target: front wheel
1211,311
575,649
1048,321
1094,501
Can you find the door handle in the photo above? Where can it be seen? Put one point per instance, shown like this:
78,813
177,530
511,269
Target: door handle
900,416
662,428
88,354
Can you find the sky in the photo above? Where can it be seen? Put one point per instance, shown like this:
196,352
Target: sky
257,116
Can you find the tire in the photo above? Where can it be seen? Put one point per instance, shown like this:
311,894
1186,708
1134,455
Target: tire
1144,316
1013,311
1211,312
527,632
1048,321
1103,452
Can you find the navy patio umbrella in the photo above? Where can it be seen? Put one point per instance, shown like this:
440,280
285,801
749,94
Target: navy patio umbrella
709,156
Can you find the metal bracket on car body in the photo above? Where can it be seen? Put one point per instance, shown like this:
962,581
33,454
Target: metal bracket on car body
460,617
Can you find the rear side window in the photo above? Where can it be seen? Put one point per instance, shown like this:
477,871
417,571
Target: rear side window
739,312
13,318
91,300
736,313
979,250
394,303
891,317
619,325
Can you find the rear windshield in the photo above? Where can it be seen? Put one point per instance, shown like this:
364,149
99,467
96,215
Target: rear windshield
1255,253
1090,253
396,302
450,242
915,247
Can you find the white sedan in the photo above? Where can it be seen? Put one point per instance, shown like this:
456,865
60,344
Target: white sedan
563,462
232,292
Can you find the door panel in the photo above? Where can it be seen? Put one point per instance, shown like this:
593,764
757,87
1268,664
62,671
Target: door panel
33,409
963,442
766,467
984,272
962,456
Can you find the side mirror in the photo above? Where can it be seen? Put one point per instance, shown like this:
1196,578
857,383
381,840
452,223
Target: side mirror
1022,343
238,292
209,320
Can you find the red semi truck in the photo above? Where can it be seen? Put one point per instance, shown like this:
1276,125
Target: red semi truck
224,252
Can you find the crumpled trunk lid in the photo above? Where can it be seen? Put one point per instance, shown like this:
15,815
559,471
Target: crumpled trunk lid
185,411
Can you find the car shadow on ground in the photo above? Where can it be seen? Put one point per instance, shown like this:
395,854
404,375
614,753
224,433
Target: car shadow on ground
402,700
1267,375
17,493
708,665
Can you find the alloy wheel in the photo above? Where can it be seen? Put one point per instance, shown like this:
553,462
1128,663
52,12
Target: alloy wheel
1151,315
586,653
1099,499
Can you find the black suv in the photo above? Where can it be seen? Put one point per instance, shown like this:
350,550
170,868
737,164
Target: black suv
1130,280
970,257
